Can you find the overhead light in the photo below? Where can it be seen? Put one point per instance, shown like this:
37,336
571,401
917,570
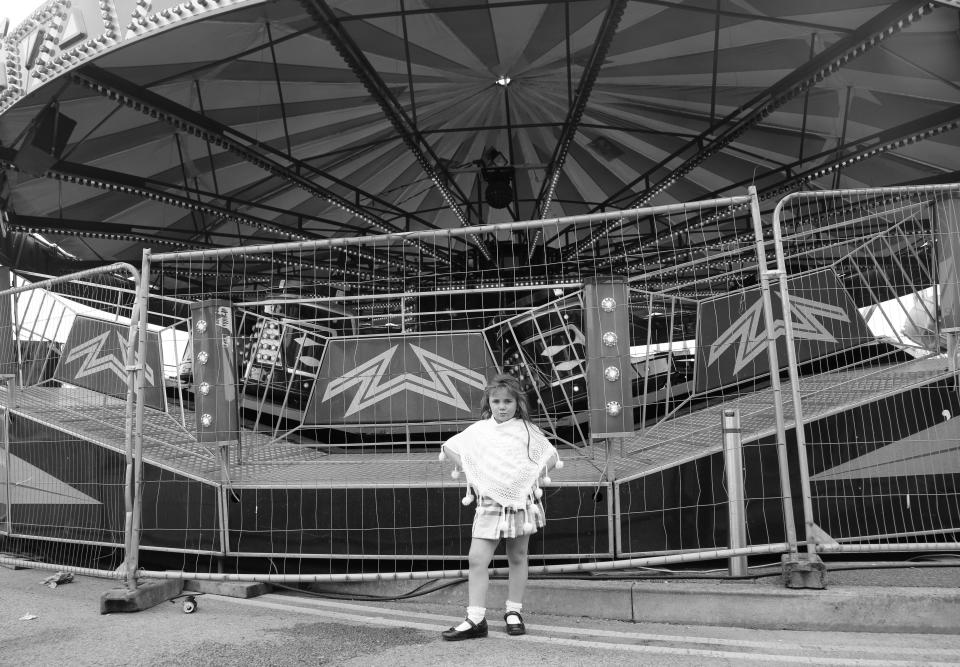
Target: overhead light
499,192
503,81
498,174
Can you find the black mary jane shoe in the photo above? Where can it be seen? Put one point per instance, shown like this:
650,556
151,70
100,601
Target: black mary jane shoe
515,628
475,631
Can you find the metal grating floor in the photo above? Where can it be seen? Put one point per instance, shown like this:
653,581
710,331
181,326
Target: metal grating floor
270,463
690,436
265,461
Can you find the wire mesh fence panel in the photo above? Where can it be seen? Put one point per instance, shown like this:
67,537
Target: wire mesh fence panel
68,359
871,279
700,348
319,378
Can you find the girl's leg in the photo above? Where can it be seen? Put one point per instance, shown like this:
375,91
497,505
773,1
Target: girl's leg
481,553
517,559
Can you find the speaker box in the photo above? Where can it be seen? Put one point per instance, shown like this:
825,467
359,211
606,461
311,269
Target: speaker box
45,141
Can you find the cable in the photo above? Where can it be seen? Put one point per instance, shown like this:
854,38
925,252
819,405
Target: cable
416,592
719,576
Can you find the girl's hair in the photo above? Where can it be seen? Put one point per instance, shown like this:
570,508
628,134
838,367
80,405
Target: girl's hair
512,385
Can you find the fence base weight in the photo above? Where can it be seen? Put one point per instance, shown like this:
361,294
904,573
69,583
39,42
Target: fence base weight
147,594
232,589
803,571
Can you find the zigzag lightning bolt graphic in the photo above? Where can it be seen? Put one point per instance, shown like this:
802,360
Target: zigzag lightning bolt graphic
93,362
372,389
749,334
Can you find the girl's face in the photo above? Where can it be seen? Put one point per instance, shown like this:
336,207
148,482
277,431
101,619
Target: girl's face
503,405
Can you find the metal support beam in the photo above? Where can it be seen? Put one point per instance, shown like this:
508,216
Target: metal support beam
105,179
23,251
125,183
862,148
183,118
570,126
882,26
329,23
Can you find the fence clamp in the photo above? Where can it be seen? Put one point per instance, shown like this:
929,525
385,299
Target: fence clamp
135,367
774,273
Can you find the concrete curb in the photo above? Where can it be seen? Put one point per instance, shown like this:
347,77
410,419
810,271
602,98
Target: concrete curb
745,605
860,609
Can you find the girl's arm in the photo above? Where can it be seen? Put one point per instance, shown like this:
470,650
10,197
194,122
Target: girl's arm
552,461
451,455
555,457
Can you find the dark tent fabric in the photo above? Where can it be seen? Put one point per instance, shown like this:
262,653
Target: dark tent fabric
217,123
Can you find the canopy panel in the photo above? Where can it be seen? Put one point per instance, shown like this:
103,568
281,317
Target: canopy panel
210,123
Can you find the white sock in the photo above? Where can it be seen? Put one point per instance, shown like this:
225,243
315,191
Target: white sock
475,614
513,606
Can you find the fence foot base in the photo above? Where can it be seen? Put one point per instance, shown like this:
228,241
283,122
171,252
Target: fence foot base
17,566
146,595
233,589
803,571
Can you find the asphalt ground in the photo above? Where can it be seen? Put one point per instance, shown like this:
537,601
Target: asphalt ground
59,626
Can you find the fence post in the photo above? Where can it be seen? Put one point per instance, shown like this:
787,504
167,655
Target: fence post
952,336
129,482
788,523
138,325
807,572
736,511
6,380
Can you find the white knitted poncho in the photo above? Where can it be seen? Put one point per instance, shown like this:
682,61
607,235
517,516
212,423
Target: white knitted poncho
496,463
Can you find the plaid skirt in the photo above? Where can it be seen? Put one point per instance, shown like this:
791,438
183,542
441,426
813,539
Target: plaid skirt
493,521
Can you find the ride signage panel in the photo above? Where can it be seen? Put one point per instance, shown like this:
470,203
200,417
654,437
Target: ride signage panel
95,357
732,337
400,379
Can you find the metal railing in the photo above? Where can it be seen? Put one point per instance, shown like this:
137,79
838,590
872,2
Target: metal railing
711,415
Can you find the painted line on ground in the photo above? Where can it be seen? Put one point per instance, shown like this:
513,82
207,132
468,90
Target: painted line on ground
579,643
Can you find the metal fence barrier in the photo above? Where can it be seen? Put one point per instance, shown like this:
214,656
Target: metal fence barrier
273,413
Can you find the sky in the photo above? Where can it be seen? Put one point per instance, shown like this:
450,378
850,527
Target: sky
17,10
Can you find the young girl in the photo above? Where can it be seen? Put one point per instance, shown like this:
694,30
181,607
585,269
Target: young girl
504,457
